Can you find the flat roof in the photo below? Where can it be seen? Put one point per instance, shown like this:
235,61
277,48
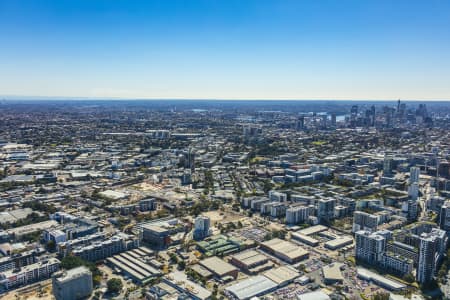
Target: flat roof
303,237
317,295
285,248
333,272
250,257
313,230
180,281
73,273
204,272
251,287
282,274
217,266
340,241
369,275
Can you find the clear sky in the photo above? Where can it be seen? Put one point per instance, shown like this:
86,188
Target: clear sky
227,49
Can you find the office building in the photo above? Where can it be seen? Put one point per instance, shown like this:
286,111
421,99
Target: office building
201,229
54,235
413,191
147,204
414,174
325,209
387,166
158,232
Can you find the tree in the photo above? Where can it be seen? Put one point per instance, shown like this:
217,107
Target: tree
409,278
114,285
181,264
381,296
51,245
70,262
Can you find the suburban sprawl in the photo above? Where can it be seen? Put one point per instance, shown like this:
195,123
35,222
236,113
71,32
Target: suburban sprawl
224,200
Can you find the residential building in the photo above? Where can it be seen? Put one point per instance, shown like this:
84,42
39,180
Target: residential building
72,284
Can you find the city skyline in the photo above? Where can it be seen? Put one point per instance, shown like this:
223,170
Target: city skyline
253,50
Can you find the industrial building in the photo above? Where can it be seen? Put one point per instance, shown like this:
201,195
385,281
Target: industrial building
313,230
219,245
339,242
252,287
251,262
304,239
282,276
332,273
380,280
285,250
179,281
219,268
134,264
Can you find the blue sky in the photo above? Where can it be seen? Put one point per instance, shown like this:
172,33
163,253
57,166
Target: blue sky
228,49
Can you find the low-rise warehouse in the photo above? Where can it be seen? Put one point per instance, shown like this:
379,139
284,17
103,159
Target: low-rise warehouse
339,242
304,239
313,230
252,287
380,280
282,275
285,250
181,283
332,273
134,266
219,268
251,261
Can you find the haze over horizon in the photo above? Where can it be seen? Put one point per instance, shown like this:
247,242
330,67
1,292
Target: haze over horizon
287,50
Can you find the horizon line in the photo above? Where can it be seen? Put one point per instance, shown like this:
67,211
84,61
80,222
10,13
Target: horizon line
81,98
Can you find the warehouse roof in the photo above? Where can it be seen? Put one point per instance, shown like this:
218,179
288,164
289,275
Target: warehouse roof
217,266
286,248
282,275
250,257
339,242
332,272
313,230
251,287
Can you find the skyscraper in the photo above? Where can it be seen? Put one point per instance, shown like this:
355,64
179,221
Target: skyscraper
201,229
414,174
444,216
413,191
387,166
333,120
430,254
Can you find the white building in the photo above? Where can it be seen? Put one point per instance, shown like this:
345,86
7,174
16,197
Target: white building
297,214
29,274
277,196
